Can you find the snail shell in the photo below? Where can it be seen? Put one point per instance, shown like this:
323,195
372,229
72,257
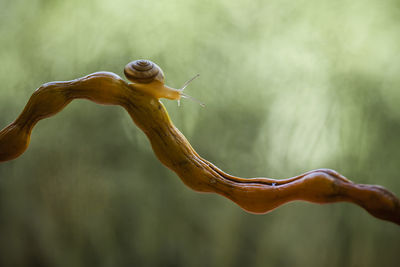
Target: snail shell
143,71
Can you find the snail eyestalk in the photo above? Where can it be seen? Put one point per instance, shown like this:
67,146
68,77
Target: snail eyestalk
188,82
188,96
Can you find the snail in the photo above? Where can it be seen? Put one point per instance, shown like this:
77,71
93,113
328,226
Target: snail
148,77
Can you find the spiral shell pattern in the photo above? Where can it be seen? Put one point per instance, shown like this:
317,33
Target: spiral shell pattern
143,71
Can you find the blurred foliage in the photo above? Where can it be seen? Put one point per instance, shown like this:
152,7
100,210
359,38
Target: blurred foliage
290,86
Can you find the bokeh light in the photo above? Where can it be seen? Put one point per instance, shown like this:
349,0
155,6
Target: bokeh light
289,86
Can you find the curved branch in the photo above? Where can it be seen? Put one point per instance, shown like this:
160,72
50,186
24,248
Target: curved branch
256,195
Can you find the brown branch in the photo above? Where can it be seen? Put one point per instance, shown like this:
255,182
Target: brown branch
256,195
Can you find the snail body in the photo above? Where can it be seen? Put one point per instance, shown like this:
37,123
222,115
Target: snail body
158,90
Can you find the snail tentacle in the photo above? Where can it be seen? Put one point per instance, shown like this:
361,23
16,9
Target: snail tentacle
193,99
188,82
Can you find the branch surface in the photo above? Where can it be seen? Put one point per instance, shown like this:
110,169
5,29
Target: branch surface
256,195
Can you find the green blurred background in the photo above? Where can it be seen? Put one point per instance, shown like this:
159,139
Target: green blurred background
290,86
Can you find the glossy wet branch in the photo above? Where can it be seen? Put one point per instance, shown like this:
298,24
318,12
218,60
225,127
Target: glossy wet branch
256,195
